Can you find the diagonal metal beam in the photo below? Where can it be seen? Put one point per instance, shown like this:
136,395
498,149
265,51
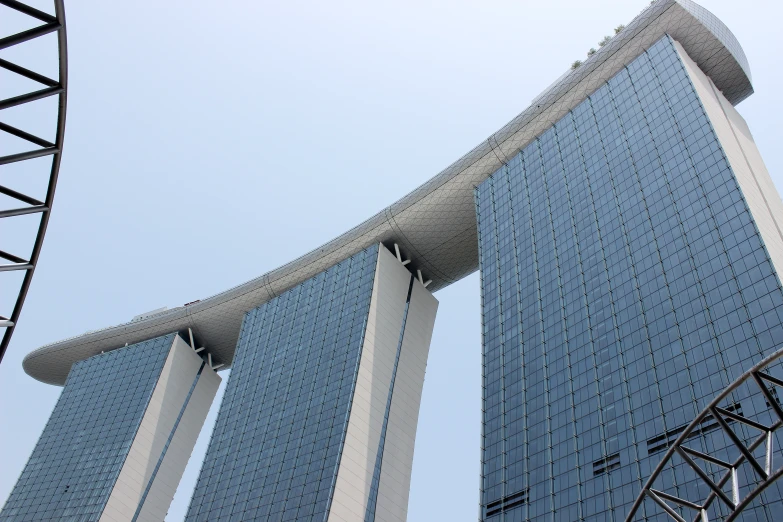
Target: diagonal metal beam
753,494
731,474
22,211
772,401
35,32
666,507
57,87
17,263
27,73
770,378
18,195
704,456
723,417
737,442
743,420
15,266
13,158
30,11
29,97
12,258
700,472
677,500
19,133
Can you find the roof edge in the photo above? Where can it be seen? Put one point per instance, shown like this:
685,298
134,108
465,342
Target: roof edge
216,319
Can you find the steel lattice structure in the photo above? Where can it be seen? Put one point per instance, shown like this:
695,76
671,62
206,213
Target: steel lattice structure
28,204
758,379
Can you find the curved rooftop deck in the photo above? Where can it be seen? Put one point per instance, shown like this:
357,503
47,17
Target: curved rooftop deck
435,224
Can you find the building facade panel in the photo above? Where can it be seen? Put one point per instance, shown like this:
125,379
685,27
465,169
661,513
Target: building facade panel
301,431
624,284
170,393
354,478
170,466
400,437
435,222
75,463
742,154
279,432
630,243
107,433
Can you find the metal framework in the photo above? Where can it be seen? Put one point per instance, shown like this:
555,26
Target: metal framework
30,205
757,378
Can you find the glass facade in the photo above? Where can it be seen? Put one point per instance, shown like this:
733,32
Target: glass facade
624,285
277,441
78,458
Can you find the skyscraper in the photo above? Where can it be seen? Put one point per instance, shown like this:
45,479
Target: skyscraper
629,239
628,275
319,417
119,437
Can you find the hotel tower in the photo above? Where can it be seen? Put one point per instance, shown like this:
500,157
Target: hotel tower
628,237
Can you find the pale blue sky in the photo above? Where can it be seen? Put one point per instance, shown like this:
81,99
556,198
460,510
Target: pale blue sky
209,142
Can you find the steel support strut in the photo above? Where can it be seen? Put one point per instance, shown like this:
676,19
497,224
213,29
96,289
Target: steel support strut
51,87
759,379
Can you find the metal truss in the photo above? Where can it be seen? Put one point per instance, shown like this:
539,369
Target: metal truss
726,489
27,204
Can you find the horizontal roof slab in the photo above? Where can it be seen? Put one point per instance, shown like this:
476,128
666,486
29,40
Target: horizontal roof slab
434,225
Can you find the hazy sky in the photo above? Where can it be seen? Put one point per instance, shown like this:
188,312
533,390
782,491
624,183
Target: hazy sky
210,142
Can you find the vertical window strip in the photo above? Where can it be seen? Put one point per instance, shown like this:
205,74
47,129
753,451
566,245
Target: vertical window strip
555,268
597,243
525,479
713,218
498,191
493,350
568,120
480,197
629,254
611,174
352,391
512,490
540,337
322,314
293,309
656,85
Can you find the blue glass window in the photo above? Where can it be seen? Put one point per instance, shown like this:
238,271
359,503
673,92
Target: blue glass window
624,284
83,447
277,440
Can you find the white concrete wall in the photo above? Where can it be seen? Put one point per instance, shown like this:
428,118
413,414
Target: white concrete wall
168,397
745,160
357,463
176,459
379,351
392,504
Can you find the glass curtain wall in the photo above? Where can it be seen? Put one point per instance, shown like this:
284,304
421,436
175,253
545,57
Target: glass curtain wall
624,284
279,433
83,447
